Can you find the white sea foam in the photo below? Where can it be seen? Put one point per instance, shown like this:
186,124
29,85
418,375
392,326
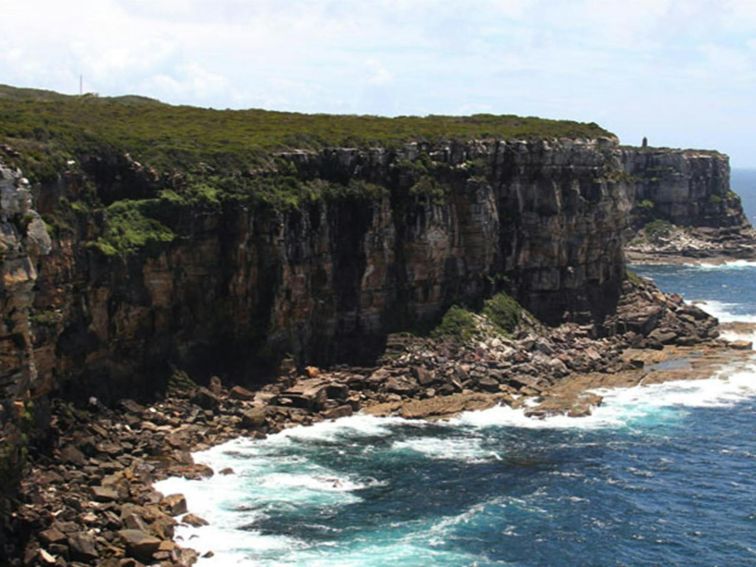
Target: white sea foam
738,336
354,426
724,312
625,406
731,265
467,449
267,476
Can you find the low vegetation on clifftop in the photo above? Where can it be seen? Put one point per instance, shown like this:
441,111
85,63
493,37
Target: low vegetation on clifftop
49,128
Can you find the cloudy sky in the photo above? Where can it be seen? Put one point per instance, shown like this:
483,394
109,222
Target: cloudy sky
682,72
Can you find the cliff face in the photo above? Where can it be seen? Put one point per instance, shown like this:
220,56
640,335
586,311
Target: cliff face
395,238
689,188
241,284
23,240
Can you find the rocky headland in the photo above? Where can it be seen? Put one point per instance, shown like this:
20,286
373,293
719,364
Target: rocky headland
685,211
162,298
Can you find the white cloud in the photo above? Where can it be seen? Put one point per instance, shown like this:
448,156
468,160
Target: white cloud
378,74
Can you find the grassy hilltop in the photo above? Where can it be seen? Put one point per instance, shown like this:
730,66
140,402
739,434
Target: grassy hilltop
49,128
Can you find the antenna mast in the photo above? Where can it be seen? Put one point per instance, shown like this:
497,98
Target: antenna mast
81,85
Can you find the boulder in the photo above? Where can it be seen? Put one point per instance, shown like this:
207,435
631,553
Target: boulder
193,520
254,418
423,376
139,544
215,385
205,399
240,393
175,504
339,411
488,384
52,535
105,493
401,386
82,546
337,391
663,336
72,455
308,394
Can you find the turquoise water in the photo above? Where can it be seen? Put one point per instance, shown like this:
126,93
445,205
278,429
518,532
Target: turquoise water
658,475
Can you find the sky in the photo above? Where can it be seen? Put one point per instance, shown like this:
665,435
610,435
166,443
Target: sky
681,72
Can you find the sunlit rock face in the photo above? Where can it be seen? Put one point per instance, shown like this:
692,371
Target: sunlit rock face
242,285
685,187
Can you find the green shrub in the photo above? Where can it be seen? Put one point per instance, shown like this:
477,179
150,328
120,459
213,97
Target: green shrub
658,228
128,228
633,278
715,199
458,323
503,311
646,205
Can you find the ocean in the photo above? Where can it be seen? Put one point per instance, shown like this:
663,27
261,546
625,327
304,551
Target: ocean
658,475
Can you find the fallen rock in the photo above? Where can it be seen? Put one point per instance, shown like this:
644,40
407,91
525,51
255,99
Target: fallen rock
400,386
205,399
175,504
240,393
193,520
663,336
215,385
254,418
741,345
72,455
104,493
82,547
488,384
52,535
307,394
139,544
339,411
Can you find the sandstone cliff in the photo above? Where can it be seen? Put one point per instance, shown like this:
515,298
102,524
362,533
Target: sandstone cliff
684,187
683,207
148,273
393,239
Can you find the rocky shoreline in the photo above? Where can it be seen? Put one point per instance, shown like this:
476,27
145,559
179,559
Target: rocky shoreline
89,499
669,244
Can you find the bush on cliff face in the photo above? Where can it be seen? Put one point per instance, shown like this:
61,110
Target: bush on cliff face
458,323
646,205
128,228
501,315
504,312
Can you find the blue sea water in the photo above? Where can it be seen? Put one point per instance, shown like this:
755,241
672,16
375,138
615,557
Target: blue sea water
658,475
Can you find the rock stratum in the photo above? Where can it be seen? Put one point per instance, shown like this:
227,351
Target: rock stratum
130,273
